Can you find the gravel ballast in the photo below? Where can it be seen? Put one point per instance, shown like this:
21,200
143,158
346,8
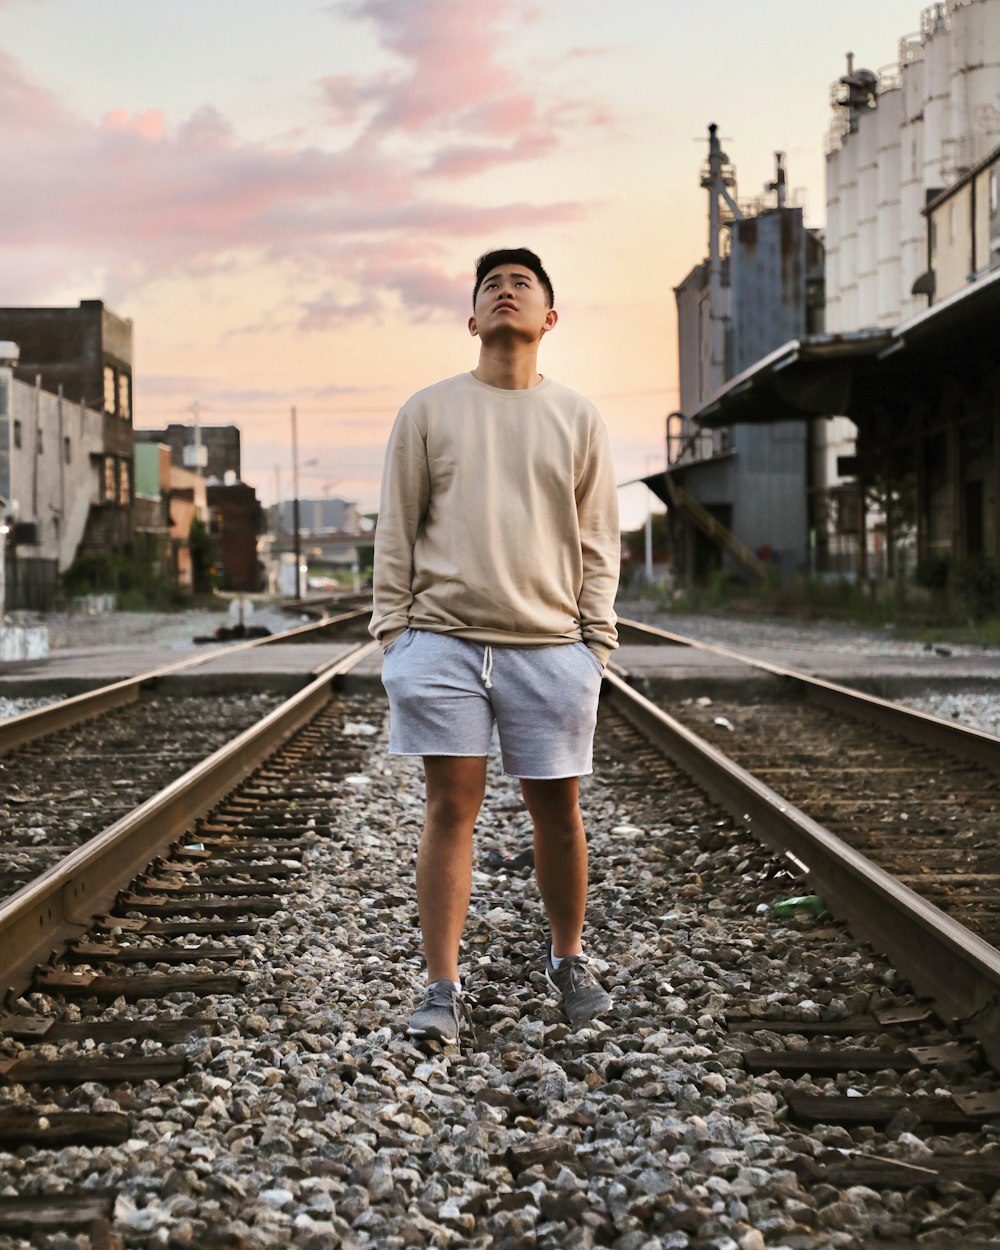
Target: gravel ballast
310,1121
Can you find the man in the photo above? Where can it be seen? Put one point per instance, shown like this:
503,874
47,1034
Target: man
496,566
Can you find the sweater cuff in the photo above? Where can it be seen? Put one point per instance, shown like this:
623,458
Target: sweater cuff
389,637
602,652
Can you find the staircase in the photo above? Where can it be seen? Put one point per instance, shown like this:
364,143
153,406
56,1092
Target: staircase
713,527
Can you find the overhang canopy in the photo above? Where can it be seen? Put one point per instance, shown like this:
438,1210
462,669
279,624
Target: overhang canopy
853,374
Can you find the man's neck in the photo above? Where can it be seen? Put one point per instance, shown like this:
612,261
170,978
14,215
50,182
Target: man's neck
508,370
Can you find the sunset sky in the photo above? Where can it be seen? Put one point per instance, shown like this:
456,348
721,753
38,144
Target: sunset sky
287,196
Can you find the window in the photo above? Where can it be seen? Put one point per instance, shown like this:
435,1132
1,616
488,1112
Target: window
124,398
109,389
38,440
993,192
67,450
110,480
123,482
17,434
951,223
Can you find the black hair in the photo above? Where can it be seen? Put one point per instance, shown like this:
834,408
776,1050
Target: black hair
512,256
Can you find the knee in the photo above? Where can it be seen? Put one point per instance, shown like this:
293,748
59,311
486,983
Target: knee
562,828
451,814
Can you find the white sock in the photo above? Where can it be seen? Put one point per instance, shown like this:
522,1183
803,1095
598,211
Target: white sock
556,960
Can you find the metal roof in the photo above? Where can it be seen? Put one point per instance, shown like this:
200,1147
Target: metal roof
826,375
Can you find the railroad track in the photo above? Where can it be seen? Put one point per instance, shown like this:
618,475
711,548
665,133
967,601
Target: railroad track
665,861
947,774
28,727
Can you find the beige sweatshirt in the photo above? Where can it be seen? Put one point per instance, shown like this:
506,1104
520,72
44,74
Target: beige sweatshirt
499,518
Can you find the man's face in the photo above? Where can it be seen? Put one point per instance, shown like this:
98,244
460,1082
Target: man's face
511,304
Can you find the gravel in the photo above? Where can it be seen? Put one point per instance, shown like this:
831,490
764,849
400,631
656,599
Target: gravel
978,707
310,1121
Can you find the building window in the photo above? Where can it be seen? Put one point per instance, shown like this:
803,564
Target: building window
993,192
109,389
951,223
38,441
124,398
17,434
123,482
67,449
110,480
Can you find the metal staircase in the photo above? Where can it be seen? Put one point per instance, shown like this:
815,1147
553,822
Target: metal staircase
713,527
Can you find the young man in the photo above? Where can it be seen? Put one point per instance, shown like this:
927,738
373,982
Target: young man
496,565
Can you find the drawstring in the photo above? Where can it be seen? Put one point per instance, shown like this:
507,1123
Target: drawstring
487,667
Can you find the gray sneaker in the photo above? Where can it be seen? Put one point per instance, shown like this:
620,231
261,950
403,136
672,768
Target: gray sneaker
583,996
439,1013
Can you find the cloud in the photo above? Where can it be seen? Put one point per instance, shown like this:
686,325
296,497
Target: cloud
457,86
150,125
139,197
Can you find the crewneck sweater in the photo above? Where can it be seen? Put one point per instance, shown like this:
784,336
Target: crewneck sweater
498,519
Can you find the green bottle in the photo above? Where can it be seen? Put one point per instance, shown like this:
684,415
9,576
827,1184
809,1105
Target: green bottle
811,903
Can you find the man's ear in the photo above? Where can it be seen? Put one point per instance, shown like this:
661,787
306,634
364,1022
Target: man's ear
473,329
551,317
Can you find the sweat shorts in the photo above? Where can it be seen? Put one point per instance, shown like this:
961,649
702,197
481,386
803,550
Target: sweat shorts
445,694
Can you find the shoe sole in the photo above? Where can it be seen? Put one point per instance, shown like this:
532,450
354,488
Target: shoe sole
431,1035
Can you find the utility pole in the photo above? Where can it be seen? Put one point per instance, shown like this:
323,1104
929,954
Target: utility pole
295,505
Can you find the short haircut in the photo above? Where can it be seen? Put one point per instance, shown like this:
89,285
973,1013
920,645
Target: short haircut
512,256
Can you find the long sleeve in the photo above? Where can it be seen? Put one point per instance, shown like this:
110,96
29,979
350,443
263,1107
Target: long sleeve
600,541
402,506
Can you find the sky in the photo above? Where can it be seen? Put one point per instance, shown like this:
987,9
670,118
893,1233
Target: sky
287,197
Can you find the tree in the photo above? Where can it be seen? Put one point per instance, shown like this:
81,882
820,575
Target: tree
203,561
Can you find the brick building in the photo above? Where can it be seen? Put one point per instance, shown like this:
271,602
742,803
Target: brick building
85,353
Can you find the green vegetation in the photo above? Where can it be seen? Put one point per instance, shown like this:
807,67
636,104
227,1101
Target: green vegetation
942,603
138,584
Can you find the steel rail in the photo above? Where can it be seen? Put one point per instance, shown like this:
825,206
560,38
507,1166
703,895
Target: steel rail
922,728
958,970
56,907
28,726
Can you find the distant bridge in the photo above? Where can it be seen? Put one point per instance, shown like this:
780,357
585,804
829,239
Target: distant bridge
336,547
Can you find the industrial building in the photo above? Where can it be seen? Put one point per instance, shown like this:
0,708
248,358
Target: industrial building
82,356
51,478
209,454
220,444
738,495
900,389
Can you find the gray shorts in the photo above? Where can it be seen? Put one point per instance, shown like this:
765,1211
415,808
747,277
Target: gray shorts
445,694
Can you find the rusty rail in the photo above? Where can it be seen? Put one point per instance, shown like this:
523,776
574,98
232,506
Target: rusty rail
920,727
943,959
17,730
58,905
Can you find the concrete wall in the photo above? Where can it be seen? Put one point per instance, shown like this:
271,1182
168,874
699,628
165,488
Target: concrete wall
965,231
55,450
952,246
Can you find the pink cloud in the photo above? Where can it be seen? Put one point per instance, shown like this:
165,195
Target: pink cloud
465,159
139,196
150,125
457,83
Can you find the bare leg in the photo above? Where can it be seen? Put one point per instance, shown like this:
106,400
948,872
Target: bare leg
455,789
560,857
